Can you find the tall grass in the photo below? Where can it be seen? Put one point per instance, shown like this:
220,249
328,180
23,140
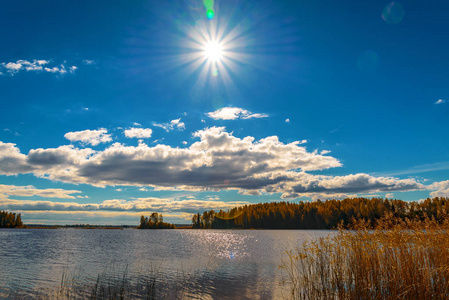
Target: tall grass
105,286
113,285
394,259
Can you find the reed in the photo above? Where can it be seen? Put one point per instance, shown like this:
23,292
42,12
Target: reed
119,285
392,259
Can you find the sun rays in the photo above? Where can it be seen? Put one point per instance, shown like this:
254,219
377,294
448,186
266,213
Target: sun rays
213,52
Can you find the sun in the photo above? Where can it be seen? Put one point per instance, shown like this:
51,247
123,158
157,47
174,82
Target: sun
213,51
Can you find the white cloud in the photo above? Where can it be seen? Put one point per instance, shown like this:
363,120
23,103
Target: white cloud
37,65
218,161
389,195
137,124
441,189
33,68
440,101
162,205
287,120
138,133
178,124
232,113
88,62
173,124
93,137
29,191
13,67
12,161
52,70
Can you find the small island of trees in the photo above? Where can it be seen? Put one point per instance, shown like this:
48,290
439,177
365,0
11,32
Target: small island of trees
10,220
155,221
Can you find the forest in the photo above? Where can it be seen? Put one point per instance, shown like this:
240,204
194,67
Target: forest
10,220
155,221
327,214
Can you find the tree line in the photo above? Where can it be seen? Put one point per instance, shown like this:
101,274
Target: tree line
155,221
10,220
319,214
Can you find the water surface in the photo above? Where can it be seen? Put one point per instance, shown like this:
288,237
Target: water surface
214,264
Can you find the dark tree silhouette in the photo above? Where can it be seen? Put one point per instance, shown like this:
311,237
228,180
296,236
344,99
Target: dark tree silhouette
154,222
10,220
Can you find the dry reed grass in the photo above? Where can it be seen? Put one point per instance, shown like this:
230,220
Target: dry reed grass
111,286
395,259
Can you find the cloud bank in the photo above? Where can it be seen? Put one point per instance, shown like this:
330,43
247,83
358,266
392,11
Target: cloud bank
218,161
29,191
162,205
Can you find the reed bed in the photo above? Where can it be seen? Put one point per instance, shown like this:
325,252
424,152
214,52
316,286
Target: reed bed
392,259
110,286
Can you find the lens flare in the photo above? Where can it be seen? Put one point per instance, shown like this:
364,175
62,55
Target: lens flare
393,13
209,5
210,13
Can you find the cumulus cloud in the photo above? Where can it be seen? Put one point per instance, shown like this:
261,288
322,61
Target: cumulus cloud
13,67
173,124
218,161
93,137
37,65
232,113
140,133
12,161
63,156
441,189
287,120
440,101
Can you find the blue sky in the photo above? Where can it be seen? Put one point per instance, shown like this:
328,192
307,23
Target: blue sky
113,109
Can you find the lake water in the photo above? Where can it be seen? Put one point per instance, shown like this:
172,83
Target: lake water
204,264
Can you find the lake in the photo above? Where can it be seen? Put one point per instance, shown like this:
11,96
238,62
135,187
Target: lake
206,264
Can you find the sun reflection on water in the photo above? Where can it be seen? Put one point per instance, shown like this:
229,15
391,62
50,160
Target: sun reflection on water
223,245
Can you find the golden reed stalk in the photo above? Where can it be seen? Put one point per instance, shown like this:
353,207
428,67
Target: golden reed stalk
393,259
